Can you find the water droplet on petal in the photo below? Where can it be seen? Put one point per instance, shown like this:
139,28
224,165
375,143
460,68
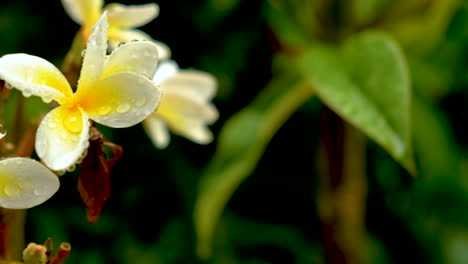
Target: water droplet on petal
51,125
11,189
123,108
72,122
26,93
140,101
104,110
38,192
83,53
46,99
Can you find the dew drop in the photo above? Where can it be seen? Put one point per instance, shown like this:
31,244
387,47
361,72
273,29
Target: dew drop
73,122
104,110
64,136
11,189
83,53
123,108
26,92
51,125
38,192
8,85
140,101
46,99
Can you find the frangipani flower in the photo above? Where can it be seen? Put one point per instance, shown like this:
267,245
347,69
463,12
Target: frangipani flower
184,107
25,183
122,19
112,90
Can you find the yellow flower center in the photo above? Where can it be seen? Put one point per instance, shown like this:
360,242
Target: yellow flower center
72,119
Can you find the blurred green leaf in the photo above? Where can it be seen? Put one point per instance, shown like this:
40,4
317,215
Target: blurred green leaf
419,24
241,143
363,12
435,147
366,82
286,29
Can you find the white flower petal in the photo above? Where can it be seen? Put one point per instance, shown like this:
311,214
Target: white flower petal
120,100
139,57
95,54
25,183
62,137
117,36
34,76
177,108
191,83
131,16
188,116
83,11
157,131
195,131
165,70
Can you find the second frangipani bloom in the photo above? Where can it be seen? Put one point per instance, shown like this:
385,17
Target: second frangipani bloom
122,20
114,90
185,106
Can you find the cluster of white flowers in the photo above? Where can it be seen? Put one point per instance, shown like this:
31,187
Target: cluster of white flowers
136,82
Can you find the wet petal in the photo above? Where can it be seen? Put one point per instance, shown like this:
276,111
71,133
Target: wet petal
138,57
25,183
117,36
83,11
157,131
120,100
95,54
191,83
62,137
34,76
131,16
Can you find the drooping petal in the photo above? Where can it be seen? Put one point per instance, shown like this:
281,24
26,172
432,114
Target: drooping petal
95,54
177,108
191,83
62,137
123,16
139,57
25,183
188,117
120,100
83,11
35,76
117,36
157,130
165,70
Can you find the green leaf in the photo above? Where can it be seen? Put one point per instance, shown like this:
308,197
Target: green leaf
436,149
366,82
241,143
419,24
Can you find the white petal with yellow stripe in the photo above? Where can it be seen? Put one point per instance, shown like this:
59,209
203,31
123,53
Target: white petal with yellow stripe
127,16
62,137
120,100
35,76
25,183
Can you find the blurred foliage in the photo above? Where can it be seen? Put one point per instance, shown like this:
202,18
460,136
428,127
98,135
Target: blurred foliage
396,70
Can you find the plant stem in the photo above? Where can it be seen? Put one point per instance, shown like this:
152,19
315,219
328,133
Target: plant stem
342,191
11,233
